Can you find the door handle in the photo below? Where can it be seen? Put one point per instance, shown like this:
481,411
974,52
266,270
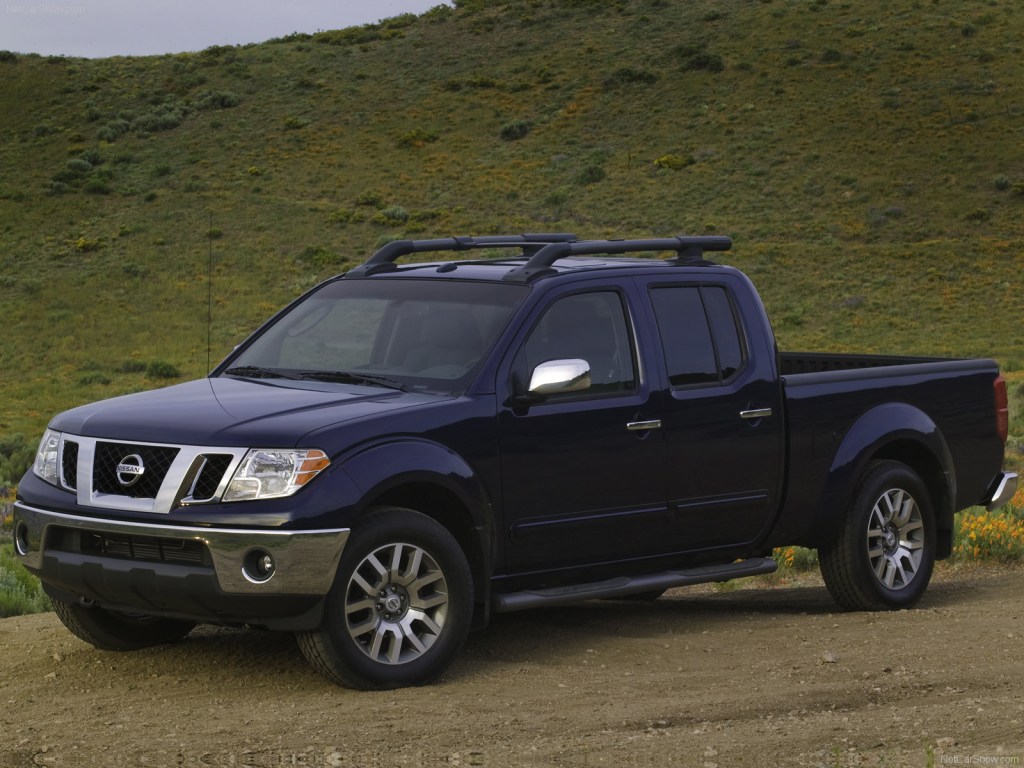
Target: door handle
640,426
756,413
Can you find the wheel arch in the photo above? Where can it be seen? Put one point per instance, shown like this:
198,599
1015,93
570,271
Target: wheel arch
897,432
431,479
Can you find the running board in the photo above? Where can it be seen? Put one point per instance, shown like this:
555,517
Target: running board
621,586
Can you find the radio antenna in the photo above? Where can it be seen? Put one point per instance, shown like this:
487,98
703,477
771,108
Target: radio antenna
209,295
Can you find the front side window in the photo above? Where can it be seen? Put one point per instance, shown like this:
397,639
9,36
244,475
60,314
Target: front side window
413,333
699,334
586,326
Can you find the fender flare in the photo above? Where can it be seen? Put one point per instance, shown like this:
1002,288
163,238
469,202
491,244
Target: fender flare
383,468
897,431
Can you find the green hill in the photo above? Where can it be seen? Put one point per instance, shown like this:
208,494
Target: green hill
865,156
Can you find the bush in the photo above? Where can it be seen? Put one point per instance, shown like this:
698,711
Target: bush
695,57
592,174
396,214
161,118
208,100
158,369
20,591
982,535
16,456
417,137
626,76
515,130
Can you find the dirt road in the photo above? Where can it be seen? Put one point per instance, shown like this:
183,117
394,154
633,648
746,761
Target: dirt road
708,678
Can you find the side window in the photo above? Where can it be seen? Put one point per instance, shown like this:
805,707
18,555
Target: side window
586,326
699,334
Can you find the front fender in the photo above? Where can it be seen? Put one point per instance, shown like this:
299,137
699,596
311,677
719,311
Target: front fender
420,474
897,431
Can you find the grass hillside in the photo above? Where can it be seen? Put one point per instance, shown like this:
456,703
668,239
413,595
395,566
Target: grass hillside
865,156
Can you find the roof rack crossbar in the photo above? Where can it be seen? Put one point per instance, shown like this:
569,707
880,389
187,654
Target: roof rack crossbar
688,248
385,257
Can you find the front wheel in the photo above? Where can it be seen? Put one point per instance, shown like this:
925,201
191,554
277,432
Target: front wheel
883,556
400,606
117,630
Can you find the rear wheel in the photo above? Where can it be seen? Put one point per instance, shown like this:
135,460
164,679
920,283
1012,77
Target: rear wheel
883,556
400,606
117,630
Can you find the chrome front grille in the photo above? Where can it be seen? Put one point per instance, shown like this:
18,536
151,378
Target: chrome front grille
145,477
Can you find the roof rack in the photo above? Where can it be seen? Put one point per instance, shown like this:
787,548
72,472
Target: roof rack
384,259
689,250
543,250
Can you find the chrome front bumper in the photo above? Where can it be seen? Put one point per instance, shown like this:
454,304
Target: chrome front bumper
1004,486
304,562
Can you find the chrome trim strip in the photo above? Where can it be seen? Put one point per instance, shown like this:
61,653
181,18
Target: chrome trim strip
1004,491
305,561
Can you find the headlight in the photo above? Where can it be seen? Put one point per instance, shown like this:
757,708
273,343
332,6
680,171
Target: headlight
271,474
47,464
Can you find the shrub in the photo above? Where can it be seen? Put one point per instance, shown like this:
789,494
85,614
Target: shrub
93,377
695,57
982,535
16,456
158,369
515,130
20,591
625,76
213,99
592,174
1001,183
672,162
396,214
132,366
113,130
8,56
417,137
292,123
79,166
370,198
97,185
163,117
43,129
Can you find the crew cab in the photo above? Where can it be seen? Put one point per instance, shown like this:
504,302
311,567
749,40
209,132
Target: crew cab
409,447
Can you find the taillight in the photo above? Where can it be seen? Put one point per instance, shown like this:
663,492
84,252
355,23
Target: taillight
1002,409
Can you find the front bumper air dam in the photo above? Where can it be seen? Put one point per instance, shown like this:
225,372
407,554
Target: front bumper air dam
303,562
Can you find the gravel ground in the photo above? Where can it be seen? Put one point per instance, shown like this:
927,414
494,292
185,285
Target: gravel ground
702,677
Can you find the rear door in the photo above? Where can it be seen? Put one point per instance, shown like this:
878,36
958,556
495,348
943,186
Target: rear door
723,420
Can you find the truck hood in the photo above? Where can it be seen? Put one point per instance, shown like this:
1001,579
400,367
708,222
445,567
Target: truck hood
232,413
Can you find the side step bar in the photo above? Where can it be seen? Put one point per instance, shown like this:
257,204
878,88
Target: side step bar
621,586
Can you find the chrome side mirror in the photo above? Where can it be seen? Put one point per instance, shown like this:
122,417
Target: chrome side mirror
559,377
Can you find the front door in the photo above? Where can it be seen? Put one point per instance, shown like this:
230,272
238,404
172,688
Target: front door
583,473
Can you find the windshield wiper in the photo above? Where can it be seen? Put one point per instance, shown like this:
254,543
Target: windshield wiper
255,372
348,377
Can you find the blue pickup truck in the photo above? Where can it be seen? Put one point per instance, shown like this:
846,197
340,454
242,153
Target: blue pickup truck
411,446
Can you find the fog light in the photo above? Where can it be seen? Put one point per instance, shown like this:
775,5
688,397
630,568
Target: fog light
21,539
259,566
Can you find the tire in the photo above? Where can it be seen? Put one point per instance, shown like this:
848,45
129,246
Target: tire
883,556
400,606
117,631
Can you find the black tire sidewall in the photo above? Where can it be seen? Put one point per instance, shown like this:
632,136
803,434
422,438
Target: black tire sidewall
883,477
381,528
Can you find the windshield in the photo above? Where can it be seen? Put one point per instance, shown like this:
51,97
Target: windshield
404,334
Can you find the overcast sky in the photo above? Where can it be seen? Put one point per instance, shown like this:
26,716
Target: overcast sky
96,28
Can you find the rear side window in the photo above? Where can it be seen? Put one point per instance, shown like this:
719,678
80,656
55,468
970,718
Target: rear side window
699,334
